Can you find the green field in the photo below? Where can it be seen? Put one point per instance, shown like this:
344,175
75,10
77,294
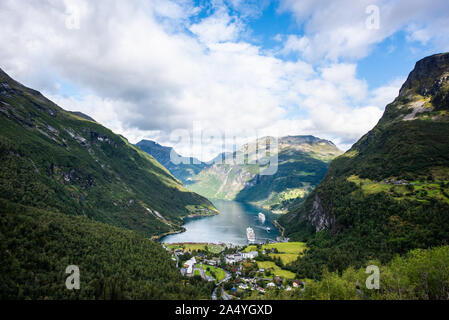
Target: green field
270,265
213,248
219,273
283,247
288,251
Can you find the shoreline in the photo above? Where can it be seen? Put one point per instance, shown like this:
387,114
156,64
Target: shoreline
192,215
280,228
160,236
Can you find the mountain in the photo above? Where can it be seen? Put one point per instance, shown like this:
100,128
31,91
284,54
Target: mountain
64,162
185,167
389,193
302,161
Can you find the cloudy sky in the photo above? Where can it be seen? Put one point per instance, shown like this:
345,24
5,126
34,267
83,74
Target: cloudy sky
158,69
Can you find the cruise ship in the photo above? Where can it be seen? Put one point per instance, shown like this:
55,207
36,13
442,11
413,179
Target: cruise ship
261,217
250,234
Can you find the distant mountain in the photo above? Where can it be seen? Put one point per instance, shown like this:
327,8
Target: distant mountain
66,162
302,163
185,167
390,192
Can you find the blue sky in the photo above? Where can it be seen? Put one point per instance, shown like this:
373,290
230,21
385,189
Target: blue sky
162,69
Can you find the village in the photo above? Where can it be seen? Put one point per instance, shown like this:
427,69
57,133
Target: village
239,272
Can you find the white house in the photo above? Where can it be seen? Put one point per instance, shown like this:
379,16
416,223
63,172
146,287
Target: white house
250,255
189,264
271,284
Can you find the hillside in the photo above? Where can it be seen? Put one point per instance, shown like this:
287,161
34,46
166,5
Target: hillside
390,192
302,163
36,246
64,162
183,169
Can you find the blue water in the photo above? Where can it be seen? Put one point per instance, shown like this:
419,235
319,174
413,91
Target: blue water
227,227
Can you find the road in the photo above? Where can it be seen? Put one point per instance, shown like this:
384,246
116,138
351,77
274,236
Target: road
224,295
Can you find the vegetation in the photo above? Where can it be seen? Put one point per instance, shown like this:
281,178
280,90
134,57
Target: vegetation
190,247
386,195
58,161
36,246
274,269
420,274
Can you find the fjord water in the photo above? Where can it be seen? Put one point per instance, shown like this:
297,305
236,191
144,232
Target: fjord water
227,227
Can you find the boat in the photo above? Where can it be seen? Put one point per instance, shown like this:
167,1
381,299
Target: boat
268,229
261,217
250,234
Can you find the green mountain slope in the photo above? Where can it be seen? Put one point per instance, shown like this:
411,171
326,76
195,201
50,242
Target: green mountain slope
64,162
37,246
183,169
390,192
302,163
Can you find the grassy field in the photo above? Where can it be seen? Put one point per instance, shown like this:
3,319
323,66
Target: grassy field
287,251
270,265
283,247
419,190
219,273
213,248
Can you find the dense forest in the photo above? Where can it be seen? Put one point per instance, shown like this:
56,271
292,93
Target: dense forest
36,246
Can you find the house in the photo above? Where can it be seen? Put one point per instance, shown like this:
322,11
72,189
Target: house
191,262
211,262
271,284
260,289
297,283
288,288
250,255
243,286
189,271
261,270
233,258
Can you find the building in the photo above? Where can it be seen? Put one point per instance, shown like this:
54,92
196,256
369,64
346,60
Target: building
189,264
243,286
233,258
211,262
250,255
271,284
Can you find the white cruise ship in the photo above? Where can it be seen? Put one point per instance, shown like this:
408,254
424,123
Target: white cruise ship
250,234
261,217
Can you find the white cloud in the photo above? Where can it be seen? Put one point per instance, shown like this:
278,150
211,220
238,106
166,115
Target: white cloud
141,72
336,30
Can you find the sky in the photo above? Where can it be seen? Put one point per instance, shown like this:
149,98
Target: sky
188,73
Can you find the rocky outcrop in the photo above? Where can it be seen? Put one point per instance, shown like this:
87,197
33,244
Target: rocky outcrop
318,216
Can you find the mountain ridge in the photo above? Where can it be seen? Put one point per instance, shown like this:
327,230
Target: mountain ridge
56,160
390,190
238,176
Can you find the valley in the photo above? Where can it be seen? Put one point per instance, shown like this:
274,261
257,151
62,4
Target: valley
72,192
